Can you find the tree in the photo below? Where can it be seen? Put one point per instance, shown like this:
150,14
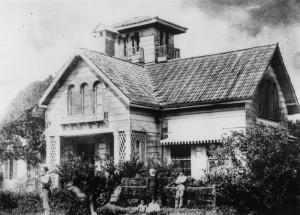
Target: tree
92,184
21,135
265,170
294,128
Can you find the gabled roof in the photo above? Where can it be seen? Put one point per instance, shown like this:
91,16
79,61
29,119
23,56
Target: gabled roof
218,78
128,80
223,77
210,78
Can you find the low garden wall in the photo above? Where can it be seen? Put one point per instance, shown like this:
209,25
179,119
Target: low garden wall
195,197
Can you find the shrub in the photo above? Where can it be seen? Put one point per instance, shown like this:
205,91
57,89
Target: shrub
96,184
265,171
8,201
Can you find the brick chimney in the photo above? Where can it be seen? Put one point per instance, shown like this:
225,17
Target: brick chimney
106,37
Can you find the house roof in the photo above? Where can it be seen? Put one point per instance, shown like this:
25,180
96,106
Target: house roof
130,78
147,20
223,77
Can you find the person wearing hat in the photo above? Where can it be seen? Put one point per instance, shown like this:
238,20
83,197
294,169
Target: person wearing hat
45,181
152,184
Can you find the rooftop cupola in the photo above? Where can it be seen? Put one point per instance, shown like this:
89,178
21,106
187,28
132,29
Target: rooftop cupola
142,39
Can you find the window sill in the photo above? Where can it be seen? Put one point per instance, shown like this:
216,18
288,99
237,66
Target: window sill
267,121
74,119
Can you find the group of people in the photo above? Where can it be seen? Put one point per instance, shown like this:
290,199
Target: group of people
152,208
152,189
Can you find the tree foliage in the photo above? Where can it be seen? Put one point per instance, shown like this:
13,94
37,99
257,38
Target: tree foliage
91,183
21,135
294,128
265,170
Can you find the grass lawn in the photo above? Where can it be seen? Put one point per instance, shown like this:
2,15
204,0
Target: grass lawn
165,211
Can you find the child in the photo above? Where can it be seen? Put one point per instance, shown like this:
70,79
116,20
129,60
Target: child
141,209
153,207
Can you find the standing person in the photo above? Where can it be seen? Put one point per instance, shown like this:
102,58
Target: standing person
180,181
45,181
152,184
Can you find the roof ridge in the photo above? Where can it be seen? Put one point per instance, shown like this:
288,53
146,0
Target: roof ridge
156,17
187,58
111,57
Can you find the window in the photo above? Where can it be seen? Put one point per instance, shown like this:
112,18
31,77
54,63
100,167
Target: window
85,99
137,40
181,155
167,39
11,169
161,38
98,100
268,100
119,39
71,100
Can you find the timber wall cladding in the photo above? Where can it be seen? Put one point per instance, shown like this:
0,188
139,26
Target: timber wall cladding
209,123
148,122
251,108
118,112
149,39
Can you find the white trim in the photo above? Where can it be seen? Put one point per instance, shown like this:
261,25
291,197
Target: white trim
152,21
91,64
56,79
175,141
206,105
103,76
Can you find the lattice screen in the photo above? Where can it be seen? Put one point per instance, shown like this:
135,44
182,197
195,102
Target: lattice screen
122,146
138,144
52,158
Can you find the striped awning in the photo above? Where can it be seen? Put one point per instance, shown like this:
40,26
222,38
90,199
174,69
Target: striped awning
185,141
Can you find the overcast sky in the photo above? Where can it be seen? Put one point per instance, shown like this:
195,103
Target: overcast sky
37,37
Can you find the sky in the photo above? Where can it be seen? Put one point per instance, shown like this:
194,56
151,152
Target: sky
38,37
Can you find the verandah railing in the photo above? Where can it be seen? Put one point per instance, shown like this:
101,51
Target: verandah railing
131,54
167,51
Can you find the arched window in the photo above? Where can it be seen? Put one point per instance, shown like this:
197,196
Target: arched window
137,40
98,99
268,101
71,100
85,104
137,148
